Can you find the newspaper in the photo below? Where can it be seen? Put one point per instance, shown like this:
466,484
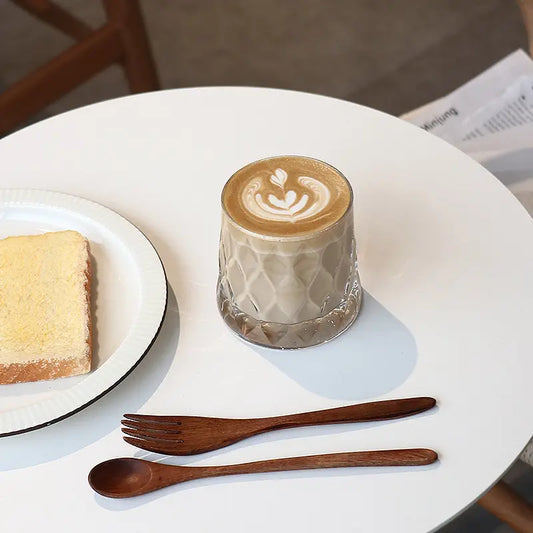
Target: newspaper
491,119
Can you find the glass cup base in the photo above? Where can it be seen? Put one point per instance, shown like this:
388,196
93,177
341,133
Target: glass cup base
292,336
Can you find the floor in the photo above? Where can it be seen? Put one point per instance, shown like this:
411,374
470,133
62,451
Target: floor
393,56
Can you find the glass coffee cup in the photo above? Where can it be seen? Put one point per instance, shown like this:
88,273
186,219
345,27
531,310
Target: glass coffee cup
287,262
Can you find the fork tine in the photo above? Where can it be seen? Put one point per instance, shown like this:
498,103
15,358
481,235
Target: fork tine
164,447
150,434
163,428
153,419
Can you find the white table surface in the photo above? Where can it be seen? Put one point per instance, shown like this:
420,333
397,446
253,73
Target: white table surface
446,262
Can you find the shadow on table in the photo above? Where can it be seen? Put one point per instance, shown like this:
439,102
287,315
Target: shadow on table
511,167
375,356
515,171
102,417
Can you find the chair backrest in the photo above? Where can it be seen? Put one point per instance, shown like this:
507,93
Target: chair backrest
122,39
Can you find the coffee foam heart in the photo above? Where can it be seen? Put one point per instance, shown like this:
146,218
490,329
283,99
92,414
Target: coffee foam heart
286,196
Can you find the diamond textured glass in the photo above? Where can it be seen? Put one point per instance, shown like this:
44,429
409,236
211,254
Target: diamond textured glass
288,266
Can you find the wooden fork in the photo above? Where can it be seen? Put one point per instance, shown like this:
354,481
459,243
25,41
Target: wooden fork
188,435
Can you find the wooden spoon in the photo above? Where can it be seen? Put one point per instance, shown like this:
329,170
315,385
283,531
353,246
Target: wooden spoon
125,477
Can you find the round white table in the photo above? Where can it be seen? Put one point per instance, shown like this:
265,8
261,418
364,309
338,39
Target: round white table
446,263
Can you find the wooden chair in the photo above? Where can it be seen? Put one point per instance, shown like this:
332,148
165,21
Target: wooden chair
505,504
526,6
121,40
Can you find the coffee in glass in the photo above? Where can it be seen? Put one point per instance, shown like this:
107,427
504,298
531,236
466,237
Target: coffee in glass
288,266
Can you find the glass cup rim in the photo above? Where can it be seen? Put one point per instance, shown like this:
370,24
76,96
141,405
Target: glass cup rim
299,237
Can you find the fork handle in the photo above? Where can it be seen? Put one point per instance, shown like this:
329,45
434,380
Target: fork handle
365,412
406,457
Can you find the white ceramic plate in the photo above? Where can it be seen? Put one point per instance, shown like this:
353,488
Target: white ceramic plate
129,293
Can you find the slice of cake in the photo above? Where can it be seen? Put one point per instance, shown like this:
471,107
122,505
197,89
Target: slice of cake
45,320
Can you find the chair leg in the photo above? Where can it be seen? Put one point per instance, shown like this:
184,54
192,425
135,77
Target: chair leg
526,6
509,507
138,61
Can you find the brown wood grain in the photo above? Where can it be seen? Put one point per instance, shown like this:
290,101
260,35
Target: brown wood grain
122,40
526,8
122,478
137,60
509,507
186,435
65,72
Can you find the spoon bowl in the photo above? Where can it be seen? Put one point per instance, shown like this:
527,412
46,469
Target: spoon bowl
116,477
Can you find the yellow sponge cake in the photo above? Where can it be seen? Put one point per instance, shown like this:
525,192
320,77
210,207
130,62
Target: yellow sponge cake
45,320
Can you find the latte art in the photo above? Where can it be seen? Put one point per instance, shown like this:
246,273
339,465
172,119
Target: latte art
286,196
289,204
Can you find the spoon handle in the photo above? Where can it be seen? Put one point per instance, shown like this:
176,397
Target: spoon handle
405,457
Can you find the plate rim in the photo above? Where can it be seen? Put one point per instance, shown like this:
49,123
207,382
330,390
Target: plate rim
37,419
